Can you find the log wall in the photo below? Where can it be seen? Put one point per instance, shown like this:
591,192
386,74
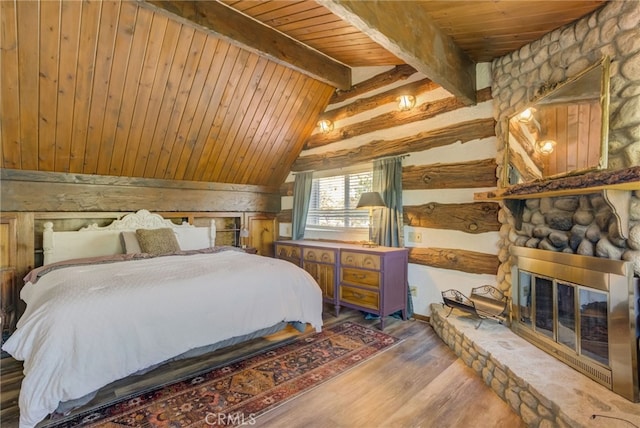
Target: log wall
451,152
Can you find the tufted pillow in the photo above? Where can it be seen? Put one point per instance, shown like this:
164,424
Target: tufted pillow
157,241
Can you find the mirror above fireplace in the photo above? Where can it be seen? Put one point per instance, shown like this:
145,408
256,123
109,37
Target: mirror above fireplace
563,131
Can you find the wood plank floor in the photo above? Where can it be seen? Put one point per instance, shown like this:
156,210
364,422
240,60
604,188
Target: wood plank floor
418,383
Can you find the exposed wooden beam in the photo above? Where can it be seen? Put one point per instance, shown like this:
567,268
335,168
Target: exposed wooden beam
407,31
247,33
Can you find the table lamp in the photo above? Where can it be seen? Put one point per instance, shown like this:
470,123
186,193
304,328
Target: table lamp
370,200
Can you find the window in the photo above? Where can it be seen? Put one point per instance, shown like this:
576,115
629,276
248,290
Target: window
334,199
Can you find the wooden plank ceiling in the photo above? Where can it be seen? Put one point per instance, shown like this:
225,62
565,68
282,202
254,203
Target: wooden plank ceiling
121,88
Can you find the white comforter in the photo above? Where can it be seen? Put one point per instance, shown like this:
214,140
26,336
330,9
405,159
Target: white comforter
86,326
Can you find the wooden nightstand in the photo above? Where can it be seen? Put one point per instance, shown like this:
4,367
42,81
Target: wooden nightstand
250,250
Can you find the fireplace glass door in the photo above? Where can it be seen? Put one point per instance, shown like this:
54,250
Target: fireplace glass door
543,291
566,315
524,298
594,340
571,315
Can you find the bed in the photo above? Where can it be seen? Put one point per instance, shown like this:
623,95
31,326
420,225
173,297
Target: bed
99,309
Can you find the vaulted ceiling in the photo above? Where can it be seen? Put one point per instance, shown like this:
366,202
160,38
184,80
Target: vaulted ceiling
221,92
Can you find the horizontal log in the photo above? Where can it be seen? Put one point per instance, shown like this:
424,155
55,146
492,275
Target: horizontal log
285,216
286,189
462,260
475,217
463,132
462,175
99,195
109,180
391,119
364,104
399,72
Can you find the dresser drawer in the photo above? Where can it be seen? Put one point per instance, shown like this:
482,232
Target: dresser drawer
288,252
365,260
357,296
319,255
367,278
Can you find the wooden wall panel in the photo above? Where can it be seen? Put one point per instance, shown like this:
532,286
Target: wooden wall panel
118,88
44,191
9,85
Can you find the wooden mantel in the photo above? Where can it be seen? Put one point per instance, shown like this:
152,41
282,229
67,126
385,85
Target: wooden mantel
624,179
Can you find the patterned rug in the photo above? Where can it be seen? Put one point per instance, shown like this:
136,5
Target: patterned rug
235,394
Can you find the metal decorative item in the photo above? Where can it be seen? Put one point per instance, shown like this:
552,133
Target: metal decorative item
485,302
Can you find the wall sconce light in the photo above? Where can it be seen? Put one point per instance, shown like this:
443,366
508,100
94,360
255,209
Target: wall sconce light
527,115
325,126
545,146
406,102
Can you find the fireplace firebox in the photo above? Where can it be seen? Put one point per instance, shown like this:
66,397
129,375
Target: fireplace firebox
583,311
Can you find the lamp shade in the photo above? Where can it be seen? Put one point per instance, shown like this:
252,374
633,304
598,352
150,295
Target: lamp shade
370,199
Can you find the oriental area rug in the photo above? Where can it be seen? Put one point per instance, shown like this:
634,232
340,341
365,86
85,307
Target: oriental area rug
237,393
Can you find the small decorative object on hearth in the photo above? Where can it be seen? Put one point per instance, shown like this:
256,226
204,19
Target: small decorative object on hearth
484,302
370,200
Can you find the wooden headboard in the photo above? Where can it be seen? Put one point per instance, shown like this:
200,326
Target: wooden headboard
94,240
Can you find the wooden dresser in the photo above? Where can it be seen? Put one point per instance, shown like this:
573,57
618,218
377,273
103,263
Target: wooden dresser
373,280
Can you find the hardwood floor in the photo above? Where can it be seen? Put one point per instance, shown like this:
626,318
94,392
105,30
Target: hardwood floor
418,383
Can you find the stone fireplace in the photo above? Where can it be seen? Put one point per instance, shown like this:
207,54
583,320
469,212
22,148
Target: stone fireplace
576,220
581,222
574,286
581,310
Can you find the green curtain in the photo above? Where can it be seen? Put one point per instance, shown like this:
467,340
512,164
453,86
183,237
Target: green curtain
388,230
387,180
301,199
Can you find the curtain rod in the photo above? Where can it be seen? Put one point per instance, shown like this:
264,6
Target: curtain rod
393,157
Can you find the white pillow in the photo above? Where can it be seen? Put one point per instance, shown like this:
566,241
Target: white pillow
130,243
193,238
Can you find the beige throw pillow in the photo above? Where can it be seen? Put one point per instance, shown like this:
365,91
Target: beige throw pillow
157,241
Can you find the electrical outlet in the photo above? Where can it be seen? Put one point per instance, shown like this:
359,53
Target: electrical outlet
414,291
411,236
417,237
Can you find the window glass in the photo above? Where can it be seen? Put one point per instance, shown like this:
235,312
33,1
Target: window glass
334,200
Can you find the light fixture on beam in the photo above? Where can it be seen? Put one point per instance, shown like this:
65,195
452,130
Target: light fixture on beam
325,126
545,147
406,102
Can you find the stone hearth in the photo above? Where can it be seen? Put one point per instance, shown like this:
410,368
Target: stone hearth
542,390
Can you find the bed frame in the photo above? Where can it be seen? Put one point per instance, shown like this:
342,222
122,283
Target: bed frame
94,240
